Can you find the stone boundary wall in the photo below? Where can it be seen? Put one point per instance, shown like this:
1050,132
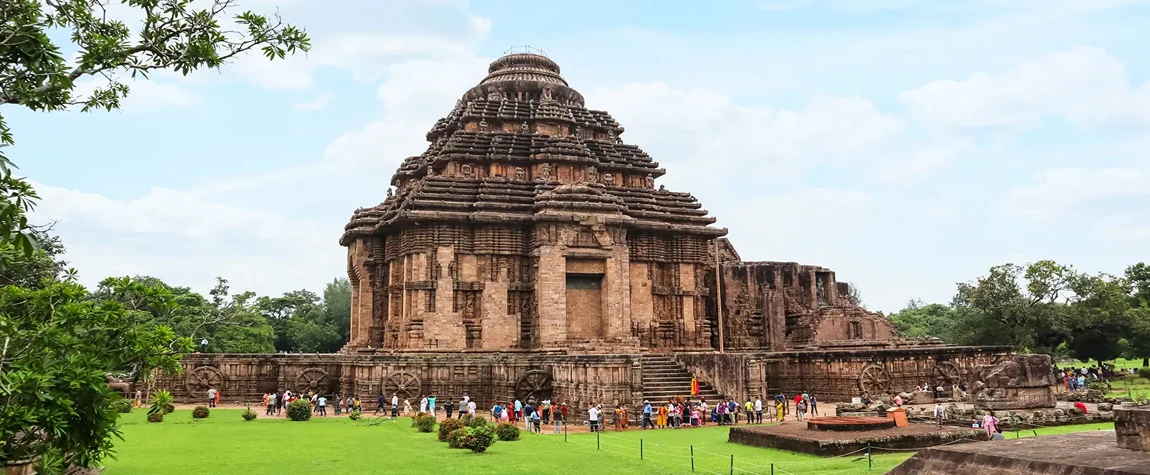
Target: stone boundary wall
486,377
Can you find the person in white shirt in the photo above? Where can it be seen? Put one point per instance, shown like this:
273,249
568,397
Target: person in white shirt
423,405
322,406
939,414
593,418
758,410
471,408
212,397
394,405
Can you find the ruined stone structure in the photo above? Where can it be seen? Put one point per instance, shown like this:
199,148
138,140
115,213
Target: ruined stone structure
1017,382
529,250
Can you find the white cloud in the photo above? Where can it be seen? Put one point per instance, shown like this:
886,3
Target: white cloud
482,25
1059,191
1085,85
143,95
315,104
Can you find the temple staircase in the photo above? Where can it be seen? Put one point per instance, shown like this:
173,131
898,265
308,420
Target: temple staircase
663,379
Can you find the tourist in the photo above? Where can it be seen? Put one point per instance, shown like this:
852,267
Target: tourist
801,409
758,410
704,410
358,405
394,405
423,404
939,413
528,410
217,401
535,419
1081,406
139,399
780,411
313,401
814,405
557,418
647,410
563,410
447,408
280,402
518,409
471,408
990,423
322,406
626,417
211,397
431,405
496,412
592,418
897,400
721,413
749,410
269,404
998,435
462,408
733,411
661,417
695,415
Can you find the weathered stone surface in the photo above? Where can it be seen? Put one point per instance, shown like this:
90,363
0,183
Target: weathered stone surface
1132,424
798,438
1086,453
1015,382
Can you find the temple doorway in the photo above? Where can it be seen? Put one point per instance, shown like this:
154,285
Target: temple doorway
584,305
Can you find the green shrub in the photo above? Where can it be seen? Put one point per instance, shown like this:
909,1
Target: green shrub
249,415
122,406
477,421
1097,386
1144,373
507,431
456,438
156,416
479,438
200,412
354,415
162,403
424,423
299,410
447,427
465,419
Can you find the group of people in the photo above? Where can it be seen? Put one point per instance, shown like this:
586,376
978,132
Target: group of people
957,390
276,402
532,412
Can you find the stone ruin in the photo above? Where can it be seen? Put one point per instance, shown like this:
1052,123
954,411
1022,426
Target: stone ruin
529,251
1015,382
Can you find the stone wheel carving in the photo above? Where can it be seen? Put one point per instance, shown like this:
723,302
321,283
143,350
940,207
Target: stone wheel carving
874,379
199,380
948,373
310,378
403,384
535,383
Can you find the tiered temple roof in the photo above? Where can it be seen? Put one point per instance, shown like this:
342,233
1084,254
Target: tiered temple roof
521,143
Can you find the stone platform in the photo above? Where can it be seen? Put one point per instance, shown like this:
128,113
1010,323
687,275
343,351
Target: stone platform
1087,453
798,438
850,424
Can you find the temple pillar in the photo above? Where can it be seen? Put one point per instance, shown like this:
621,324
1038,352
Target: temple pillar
642,303
500,329
687,285
617,315
551,295
443,327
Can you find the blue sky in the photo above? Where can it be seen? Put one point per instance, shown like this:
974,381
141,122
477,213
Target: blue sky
906,144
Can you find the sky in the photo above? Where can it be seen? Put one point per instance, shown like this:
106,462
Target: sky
906,144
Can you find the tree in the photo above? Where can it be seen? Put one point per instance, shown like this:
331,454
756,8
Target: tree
337,301
855,295
1026,305
919,320
57,344
1099,316
174,35
42,267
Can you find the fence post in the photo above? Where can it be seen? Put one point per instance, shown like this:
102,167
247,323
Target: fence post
564,431
869,462
732,464
640,449
597,441
692,459
772,468
1035,432
1014,423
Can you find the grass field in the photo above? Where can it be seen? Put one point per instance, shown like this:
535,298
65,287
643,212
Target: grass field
224,444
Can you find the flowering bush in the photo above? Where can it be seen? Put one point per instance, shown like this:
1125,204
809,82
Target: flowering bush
424,422
456,438
200,412
354,415
155,417
447,427
507,431
249,415
477,421
299,410
479,438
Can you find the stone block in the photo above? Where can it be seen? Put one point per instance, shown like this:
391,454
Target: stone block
1133,427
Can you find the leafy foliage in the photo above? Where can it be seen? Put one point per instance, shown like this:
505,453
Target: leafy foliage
299,410
162,403
456,438
355,415
424,422
447,427
202,412
507,431
155,417
1144,373
122,405
248,414
479,438
475,421
174,35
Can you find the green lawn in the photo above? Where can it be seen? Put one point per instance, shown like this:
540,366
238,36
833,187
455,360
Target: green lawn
225,444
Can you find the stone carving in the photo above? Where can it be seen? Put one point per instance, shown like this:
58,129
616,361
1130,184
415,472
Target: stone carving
483,127
578,131
524,128
610,135
118,384
874,380
1016,382
494,96
649,181
390,194
592,175
608,179
198,381
403,384
547,94
466,171
311,379
534,383
520,174
545,172
947,374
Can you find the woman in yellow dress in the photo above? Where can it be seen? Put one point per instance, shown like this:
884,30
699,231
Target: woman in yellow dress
661,419
780,411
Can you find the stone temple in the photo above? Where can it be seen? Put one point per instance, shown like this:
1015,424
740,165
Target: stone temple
530,251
